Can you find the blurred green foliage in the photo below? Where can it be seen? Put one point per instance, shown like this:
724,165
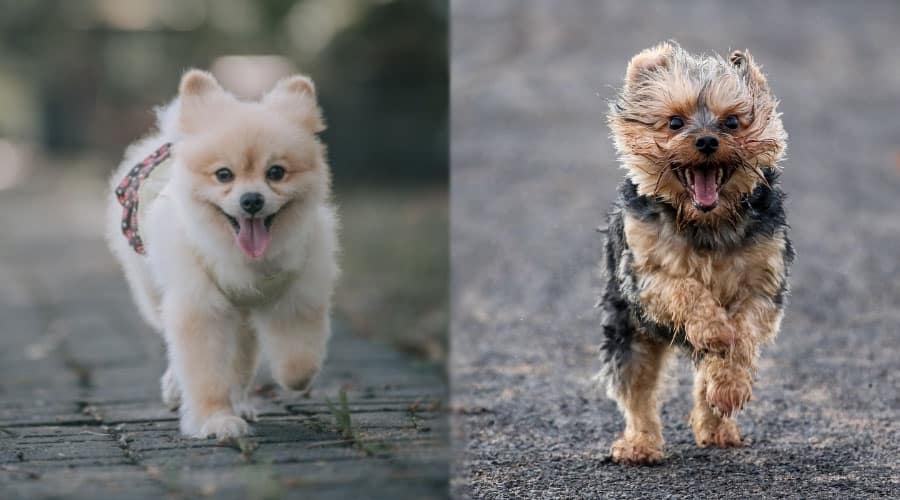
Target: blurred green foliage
82,75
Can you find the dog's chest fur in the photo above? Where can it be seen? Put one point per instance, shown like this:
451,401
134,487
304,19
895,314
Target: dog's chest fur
647,250
731,275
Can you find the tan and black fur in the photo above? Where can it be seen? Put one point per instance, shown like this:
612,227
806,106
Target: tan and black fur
702,273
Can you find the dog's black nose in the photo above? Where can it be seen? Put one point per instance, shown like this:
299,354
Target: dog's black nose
707,144
252,202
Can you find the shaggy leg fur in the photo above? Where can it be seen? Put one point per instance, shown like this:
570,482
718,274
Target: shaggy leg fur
729,384
710,429
636,393
728,378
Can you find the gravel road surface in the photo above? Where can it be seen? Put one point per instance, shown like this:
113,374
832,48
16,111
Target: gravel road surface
533,176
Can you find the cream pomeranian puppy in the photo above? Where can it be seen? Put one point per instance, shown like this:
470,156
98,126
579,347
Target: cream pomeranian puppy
223,224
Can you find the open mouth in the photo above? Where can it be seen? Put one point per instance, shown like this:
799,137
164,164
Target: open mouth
252,234
704,183
237,227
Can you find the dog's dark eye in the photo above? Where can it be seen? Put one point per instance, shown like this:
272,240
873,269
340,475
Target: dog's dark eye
275,173
224,175
732,122
676,122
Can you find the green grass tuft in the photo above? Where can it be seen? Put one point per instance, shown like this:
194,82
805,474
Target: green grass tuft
343,424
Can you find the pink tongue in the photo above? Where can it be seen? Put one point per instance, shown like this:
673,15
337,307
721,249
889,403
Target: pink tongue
253,237
705,188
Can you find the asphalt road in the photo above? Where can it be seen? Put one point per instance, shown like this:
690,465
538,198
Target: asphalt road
533,175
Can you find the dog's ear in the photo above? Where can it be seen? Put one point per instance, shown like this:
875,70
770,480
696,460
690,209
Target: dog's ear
747,67
198,93
196,83
296,96
646,62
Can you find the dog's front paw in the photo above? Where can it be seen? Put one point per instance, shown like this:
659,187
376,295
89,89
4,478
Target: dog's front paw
714,335
637,450
223,426
298,372
171,394
716,431
246,410
727,395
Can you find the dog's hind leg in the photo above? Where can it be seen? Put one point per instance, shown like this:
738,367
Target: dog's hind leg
633,365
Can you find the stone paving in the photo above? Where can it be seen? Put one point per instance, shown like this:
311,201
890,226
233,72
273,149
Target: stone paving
80,415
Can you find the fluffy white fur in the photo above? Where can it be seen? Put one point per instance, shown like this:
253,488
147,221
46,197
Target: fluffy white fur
191,251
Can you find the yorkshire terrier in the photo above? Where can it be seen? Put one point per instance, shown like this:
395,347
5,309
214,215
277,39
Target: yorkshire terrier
697,248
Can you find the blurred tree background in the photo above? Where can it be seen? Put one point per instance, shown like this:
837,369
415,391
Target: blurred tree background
79,79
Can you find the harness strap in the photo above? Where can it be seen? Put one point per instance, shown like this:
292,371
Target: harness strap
128,194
